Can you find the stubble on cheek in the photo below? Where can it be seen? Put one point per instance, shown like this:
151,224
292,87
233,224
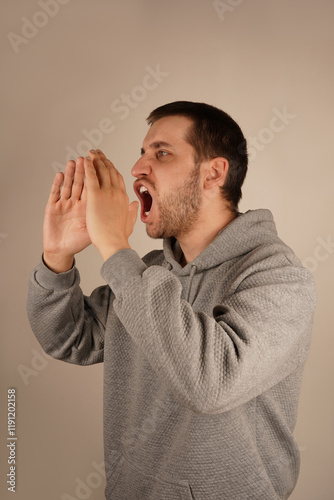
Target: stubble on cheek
178,211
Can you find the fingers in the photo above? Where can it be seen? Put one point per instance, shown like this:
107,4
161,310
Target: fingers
78,180
115,177
96,171
91,179
66,189
55,188
107,175
70,184
93,172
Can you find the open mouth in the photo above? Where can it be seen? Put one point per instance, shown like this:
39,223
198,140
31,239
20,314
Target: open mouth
146,201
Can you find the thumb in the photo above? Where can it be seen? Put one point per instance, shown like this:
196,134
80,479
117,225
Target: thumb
133,212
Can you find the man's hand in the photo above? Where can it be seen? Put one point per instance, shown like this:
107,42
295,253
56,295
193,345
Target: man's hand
110,219
64,231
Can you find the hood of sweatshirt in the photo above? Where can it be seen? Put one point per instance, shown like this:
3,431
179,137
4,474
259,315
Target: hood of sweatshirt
245,233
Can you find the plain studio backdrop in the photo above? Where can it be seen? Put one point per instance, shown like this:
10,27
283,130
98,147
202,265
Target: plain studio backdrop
81,74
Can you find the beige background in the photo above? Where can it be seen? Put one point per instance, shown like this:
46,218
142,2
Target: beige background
254,59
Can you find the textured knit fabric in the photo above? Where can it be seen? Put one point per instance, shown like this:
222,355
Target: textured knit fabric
202,364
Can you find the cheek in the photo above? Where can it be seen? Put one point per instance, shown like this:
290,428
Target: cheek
170,182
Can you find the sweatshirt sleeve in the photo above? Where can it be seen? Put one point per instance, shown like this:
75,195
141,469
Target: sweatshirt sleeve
255,338
68,325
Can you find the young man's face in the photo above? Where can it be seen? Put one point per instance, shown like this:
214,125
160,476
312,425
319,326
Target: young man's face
168,182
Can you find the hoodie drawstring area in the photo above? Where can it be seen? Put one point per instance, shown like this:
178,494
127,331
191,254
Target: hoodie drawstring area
191,277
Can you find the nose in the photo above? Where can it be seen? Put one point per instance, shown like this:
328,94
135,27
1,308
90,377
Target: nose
141,167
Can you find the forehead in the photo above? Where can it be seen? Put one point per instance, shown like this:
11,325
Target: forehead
170,129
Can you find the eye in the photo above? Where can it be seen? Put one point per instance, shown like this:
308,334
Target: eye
162,153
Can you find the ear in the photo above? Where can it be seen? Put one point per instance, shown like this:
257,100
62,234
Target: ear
216,172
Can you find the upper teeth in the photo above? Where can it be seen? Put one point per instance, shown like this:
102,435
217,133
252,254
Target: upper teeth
143,189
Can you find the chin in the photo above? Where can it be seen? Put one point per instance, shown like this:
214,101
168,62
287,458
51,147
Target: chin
152,233
155,236
156,233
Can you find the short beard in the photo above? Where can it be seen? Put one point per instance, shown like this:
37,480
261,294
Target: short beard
179,210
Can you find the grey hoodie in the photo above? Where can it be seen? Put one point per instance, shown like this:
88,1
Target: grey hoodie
202,364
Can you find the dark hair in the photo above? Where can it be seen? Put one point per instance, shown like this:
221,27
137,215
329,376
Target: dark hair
213,134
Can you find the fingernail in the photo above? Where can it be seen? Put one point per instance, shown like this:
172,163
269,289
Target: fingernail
99,150
89,158
93,151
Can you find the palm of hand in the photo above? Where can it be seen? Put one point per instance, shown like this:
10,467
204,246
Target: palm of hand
64,231
65,228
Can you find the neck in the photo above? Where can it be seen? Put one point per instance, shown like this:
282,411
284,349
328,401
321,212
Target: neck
206,230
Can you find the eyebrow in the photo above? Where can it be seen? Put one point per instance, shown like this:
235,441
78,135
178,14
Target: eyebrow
157,145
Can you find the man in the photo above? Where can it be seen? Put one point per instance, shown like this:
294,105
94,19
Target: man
203,343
